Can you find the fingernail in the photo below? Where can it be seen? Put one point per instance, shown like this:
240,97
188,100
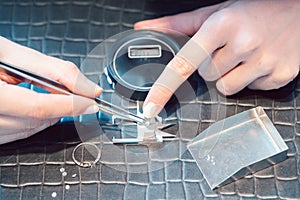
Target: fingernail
98,90
151,110
91,109
220,86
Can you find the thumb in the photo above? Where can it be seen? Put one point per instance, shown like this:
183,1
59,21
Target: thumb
21,102
187,23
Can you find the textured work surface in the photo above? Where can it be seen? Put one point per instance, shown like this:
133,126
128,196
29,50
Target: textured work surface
30,169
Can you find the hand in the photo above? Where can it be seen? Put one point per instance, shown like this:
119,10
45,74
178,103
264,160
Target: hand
244,43
24,112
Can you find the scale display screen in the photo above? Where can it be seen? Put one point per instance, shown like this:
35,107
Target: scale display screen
144,51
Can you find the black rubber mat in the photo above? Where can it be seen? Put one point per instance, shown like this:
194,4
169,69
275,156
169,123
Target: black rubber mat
30,168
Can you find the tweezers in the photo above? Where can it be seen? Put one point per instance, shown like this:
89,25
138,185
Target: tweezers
53,86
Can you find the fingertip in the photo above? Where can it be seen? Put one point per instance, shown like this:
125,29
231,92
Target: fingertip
83,105
98,91
219,86
150,110
89,86
156,99
152,24
91,109
86,87
139,25
227,89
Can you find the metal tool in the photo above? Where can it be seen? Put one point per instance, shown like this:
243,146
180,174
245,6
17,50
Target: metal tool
147,134
53,86
150,132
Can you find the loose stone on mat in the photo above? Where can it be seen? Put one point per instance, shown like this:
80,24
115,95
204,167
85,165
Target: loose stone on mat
54,194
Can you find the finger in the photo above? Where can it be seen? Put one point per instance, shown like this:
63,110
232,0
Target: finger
239,78
186,23
188,59
77,82
277,79
222,61
62,71
18,101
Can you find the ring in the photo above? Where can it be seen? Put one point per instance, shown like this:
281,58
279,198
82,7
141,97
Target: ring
86,164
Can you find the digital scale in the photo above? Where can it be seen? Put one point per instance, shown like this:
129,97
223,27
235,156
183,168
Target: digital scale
136,60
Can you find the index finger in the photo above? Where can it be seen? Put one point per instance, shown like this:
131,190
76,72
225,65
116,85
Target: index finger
62,71
187,60
22,102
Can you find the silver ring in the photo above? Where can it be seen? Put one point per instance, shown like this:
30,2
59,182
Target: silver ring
86,164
